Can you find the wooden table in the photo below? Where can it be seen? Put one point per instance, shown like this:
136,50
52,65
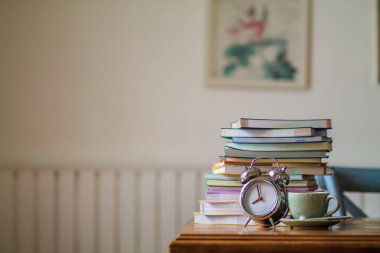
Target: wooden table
355,235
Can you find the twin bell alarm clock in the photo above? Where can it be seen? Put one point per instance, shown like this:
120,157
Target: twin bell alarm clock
264,198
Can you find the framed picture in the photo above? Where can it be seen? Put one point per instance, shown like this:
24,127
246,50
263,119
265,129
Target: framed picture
377,20
376,39
375,42
262,43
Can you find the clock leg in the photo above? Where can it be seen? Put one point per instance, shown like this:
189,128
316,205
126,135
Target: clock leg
272,223
248,220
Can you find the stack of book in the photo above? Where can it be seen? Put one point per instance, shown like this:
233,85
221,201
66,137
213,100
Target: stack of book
221,204
301,145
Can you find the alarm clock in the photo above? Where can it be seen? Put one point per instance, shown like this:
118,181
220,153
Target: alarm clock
264,198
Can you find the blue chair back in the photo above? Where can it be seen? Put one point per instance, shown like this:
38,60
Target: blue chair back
350,179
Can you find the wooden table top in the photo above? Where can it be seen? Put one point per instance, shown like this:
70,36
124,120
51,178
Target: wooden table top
355,235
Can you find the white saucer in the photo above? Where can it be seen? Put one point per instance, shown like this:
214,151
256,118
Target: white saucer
315,223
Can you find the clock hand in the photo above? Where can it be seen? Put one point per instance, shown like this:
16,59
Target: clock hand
259,192
254,202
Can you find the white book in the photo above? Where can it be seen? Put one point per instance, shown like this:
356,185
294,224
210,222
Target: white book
221,219
282,123
264,133
222,197
209,208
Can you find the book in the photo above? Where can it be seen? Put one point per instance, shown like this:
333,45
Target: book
222,191
289,132
212,182
212,176
292,183
268,165
312,146
303,189
275,154
224,188
237,170
281,123
221,219
302,183
280,139
288,165
227,208
296,177
222,197
265,161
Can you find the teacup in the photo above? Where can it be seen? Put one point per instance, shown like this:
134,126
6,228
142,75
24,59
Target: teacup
305,205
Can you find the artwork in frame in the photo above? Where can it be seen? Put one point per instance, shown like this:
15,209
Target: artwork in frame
262,43
377,39
375,42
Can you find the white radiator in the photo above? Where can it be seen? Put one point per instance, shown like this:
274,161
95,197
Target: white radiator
95,210
115,210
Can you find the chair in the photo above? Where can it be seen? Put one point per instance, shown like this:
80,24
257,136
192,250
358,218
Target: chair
350,179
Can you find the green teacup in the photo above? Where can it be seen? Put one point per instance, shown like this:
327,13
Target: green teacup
305,205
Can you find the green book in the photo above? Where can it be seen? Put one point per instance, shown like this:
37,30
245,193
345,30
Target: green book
301,177
307,146
212,182
212,176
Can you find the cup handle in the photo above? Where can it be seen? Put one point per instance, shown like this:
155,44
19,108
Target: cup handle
337,206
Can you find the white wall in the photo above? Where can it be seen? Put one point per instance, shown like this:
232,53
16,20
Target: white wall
122,82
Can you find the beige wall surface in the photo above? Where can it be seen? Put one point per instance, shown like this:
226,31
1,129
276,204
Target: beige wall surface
122,82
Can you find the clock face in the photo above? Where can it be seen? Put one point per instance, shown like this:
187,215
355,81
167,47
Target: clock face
260,198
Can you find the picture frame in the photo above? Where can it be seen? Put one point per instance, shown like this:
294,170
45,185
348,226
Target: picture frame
376,41
259,43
